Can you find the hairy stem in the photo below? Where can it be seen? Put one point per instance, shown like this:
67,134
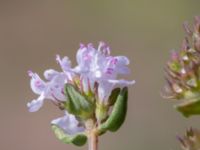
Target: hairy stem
92,134
93,141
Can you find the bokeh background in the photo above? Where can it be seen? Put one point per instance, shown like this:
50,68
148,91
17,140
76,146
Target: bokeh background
32,32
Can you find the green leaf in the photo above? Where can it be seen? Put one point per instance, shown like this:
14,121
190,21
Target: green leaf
77,104
118,114
113,96
78,139
189,107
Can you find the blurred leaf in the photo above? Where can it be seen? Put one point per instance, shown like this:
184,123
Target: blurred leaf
191,140
189,108
77,104
78,139
118,114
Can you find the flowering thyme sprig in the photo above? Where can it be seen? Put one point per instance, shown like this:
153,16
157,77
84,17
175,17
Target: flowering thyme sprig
183,73
86,93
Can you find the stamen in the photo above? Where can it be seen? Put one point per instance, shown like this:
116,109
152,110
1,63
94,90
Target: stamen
107,50
30,73
82,46
58,58
54,97
101,46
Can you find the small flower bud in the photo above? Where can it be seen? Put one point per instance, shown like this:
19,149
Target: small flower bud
191,140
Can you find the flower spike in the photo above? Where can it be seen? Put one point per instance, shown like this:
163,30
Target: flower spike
183,72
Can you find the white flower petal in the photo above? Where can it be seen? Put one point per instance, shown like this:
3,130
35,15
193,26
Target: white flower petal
123,60
122,82
50,73
35,105
68,123
56,87
122,69
105,87
65,63
84,58
80,53
104,90
37,84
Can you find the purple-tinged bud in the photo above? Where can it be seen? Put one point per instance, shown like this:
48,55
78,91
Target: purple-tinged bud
82,45
191,140
174,55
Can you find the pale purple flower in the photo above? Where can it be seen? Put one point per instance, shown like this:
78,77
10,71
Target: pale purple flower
98,66
94,67
83,93
52,89
65,65
69,124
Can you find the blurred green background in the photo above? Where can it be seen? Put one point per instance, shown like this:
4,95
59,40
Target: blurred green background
32,32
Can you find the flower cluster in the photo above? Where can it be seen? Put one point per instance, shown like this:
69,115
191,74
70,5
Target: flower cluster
191,140
183,71
95,77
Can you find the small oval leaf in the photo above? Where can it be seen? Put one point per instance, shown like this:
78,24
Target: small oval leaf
78,139
189,108
118,114
77,104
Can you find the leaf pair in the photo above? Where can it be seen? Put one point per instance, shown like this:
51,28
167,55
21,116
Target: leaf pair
79,106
